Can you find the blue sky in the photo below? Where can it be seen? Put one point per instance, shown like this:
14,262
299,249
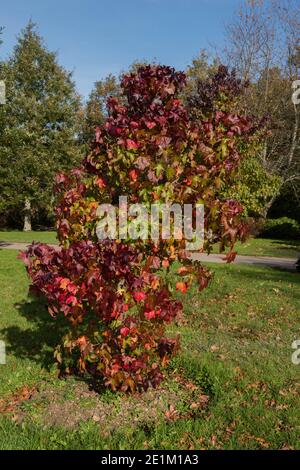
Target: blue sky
97,37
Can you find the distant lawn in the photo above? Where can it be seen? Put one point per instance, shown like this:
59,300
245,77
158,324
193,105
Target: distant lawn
15,236
253,246
232,386
268,247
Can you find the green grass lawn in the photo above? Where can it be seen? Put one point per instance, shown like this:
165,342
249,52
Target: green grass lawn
253,247
15,236
232,386
268,247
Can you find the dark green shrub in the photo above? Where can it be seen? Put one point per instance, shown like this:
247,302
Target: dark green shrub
283,228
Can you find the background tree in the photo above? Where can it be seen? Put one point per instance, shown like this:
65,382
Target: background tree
263,45
96,111
220,92
2,120
41,126
254,188
198,70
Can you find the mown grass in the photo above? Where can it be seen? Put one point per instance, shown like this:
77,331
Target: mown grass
252,247
15,236
267,247
232,386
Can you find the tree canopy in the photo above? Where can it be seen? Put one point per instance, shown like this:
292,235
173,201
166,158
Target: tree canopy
40,126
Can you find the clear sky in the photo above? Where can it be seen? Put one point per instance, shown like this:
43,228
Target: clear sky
97,37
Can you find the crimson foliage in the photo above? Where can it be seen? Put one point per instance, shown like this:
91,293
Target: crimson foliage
118,294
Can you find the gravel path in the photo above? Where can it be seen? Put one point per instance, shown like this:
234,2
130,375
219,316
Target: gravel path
281,263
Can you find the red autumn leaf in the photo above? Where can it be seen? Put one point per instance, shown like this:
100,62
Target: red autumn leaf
181,286
124,331
100,183
139,296
71,300
230,257
131,144
150,124
98,135
82,341
133,174
165,263
150,314
183,270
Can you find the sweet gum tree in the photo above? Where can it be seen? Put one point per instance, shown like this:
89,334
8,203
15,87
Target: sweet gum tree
118,295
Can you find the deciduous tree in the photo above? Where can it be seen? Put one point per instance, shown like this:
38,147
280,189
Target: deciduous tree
95,111
263,45
119,294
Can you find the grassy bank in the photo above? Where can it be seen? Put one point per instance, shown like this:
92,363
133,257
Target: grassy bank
233,385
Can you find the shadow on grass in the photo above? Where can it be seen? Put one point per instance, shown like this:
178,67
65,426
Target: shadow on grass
293,245
271,274
38,342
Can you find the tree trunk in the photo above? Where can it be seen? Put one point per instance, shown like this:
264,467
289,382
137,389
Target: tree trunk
27,216
268,206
